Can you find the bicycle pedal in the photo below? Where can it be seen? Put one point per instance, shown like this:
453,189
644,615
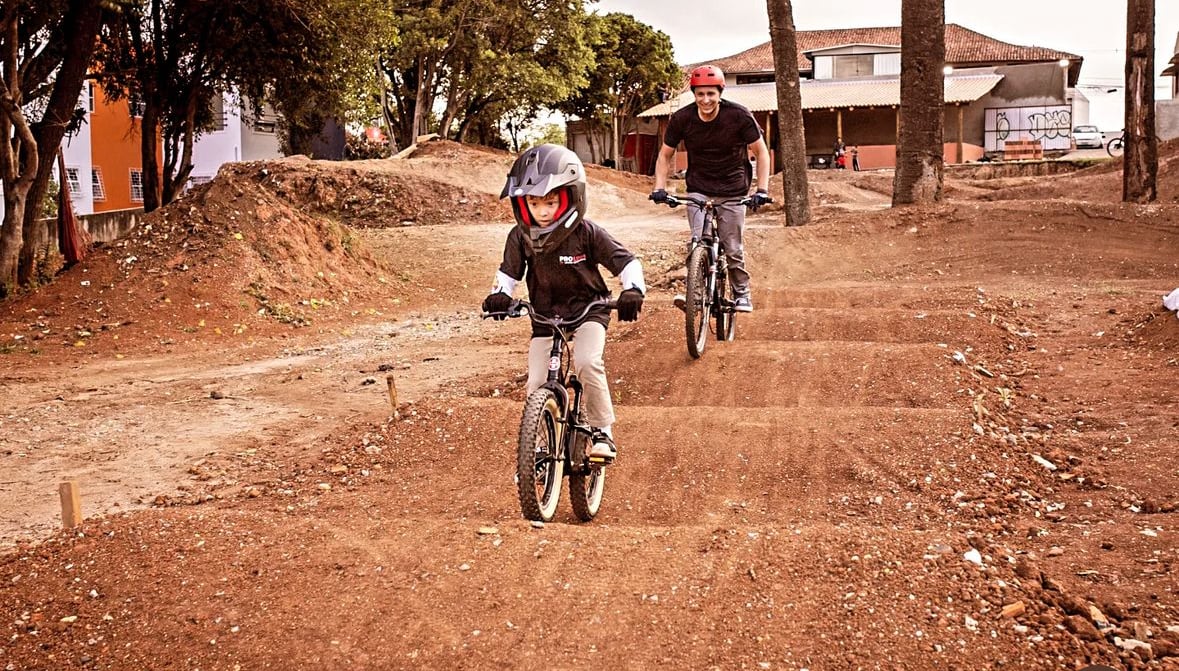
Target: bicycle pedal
600,461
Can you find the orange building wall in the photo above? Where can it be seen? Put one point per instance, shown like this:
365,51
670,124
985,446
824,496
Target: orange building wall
115,151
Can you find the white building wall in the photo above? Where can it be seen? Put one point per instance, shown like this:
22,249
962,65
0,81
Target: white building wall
214,148
77,154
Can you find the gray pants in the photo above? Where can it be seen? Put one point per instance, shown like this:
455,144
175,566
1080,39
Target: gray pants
730,229
589,343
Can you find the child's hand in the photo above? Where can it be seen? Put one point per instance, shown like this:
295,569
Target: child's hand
497,304
630,303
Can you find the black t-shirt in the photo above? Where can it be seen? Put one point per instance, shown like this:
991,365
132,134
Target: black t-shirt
561,281
718,150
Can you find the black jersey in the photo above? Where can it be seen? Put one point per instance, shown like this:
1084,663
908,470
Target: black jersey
563,280
718,150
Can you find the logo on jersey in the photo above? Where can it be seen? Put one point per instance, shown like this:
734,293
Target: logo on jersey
571,260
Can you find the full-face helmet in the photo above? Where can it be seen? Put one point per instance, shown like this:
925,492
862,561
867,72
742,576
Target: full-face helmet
539,171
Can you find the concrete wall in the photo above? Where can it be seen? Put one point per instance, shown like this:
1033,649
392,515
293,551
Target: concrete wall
102,226
1029,95
1166,119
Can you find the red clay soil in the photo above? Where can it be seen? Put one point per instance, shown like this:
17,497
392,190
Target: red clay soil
945,439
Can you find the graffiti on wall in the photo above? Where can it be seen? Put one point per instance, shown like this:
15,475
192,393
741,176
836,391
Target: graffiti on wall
1050,124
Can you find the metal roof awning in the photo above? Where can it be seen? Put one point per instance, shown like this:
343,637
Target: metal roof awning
839,94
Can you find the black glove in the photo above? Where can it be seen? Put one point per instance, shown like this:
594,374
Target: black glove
658,195
630,303
758,199
497,304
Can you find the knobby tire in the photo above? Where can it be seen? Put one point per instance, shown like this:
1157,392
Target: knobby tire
697,301
586,483
540,463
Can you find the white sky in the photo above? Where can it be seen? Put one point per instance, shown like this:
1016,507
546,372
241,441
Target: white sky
1094,29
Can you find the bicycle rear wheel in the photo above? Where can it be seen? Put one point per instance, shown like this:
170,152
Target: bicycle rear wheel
586,483
697,302
540,463
725,317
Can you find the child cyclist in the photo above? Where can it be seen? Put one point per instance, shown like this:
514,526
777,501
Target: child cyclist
557,251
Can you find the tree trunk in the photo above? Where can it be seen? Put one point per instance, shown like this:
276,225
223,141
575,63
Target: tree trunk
18,158
1141,160
149,153
82,22
920,151
791,138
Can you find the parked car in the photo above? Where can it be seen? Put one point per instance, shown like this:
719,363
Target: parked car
1088,136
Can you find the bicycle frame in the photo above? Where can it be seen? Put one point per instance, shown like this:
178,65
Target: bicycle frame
560,377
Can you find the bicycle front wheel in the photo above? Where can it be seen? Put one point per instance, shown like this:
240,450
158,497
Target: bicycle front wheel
1116,147
586,483
540,462
698,301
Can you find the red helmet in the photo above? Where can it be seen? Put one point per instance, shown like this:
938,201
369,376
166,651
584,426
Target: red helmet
707,75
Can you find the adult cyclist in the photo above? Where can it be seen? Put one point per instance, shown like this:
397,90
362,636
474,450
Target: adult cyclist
719,136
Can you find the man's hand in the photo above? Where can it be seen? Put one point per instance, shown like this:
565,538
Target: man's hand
759,198
630,303
497,304
658,195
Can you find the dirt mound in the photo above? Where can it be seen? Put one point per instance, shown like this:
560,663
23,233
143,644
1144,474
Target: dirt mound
1155,330
1100,183
386,192
229,258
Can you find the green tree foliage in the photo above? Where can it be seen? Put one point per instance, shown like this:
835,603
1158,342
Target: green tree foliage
171,57
634,66
46,47
480,60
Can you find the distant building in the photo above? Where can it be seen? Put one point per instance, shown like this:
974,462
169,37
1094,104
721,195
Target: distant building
103,159
994,92
1167,111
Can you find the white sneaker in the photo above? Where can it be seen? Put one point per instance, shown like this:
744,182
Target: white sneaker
603,448
679,301
743,304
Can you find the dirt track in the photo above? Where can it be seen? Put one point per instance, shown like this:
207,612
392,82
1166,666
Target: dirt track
807,496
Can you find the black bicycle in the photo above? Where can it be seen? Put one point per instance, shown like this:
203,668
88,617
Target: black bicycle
708,295
554,436
1117,146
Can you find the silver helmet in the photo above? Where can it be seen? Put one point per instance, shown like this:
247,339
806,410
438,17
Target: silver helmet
537,172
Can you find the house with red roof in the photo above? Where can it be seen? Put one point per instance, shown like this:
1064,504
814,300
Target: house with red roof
995,92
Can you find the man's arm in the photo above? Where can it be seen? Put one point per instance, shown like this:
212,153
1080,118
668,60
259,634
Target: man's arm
663,166
762,153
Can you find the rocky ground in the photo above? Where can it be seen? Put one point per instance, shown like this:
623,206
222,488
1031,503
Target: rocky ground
946,438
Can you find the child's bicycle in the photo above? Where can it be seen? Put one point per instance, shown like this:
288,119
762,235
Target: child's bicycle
554,436
708,294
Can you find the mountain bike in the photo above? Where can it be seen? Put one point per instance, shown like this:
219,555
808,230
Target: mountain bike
554,436
708,295
1116,146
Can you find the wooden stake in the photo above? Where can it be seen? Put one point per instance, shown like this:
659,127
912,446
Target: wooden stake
392,393
71,504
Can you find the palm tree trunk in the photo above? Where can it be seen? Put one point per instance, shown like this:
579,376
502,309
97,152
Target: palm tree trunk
1141,160
920,151
791,138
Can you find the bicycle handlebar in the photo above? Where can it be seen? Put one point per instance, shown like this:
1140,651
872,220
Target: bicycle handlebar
522,307
676,201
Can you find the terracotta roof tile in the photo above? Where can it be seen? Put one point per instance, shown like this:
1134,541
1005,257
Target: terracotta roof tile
964,47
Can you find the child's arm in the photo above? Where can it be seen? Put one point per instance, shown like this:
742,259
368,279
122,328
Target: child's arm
504,283
631,277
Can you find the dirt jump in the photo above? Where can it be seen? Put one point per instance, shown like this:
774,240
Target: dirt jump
945,439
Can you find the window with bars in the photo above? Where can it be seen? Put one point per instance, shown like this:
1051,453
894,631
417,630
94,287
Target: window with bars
96,184
74,182
136,185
